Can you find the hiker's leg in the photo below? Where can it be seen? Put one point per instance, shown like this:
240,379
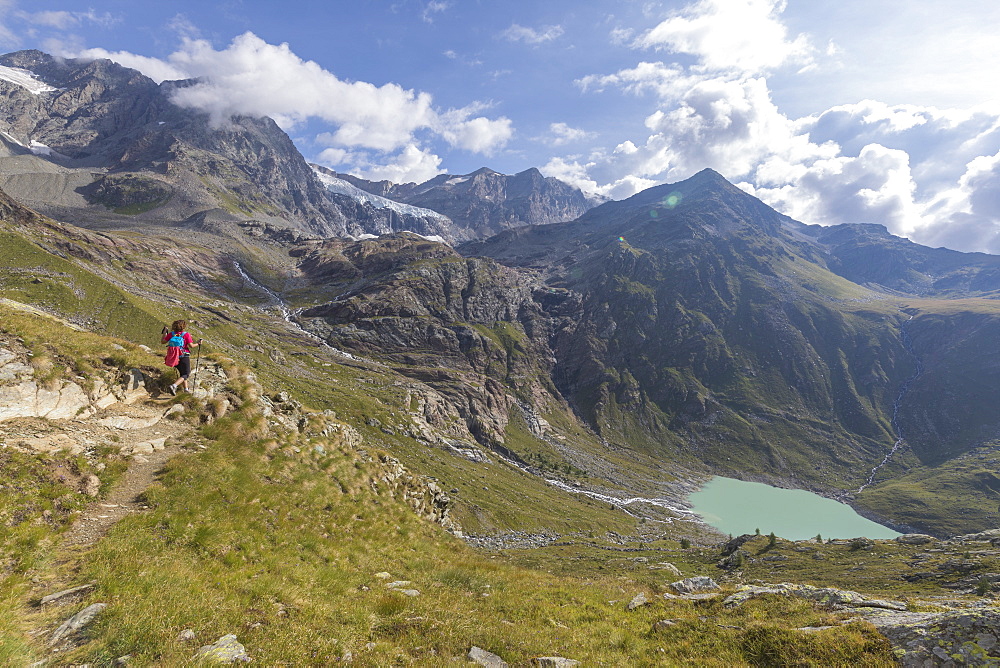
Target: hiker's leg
184,369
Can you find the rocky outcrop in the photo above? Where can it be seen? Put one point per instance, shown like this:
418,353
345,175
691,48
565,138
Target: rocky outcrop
958,638
68,631
24,396
467,328
830,597
953,638
421,493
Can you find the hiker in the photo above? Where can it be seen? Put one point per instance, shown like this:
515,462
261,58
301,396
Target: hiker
179,344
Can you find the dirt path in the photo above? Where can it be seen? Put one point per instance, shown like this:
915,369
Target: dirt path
141,435
123,500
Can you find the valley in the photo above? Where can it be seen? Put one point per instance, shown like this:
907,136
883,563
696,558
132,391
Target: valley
488,386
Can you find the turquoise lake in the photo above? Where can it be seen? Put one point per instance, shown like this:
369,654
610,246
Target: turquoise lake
737,507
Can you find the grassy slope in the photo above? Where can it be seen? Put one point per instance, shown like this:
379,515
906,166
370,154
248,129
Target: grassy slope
279,541
237,538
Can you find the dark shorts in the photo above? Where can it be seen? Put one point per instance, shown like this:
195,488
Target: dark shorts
184,366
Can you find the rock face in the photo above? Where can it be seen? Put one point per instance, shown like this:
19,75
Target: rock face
373,214
22,396
486,202
967,637
468,328
163,161
419,492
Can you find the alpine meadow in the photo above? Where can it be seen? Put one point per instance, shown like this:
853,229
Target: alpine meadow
457,421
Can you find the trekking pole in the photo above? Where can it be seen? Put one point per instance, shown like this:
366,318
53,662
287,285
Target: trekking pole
197,360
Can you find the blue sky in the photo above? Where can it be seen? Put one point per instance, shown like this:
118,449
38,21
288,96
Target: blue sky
851,111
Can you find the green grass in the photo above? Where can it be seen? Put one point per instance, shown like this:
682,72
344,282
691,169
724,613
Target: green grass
961,495
282,547
143,207
32,275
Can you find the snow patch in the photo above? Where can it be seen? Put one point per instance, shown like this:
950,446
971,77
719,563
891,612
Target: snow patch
455,181
39,148
11,138
433,237
342,187
25,79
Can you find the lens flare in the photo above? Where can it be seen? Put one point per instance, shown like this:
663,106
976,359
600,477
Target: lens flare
621,239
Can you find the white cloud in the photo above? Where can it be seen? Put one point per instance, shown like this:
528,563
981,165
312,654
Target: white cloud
253,77
479,135
967,216
411,164
519,33
664,80
63,20
741,35
561,133
154,68
434,7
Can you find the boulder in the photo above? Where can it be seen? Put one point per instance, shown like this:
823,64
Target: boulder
915,539
695,585
664,624
554,662
481,657
637,602
226,649
72,626
90,485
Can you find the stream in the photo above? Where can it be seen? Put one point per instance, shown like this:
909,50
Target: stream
897,404
288,315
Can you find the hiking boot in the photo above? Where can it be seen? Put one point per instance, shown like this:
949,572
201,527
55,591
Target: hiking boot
173,390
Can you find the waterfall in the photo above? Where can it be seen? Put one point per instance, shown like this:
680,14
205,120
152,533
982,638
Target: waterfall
898,403
288,315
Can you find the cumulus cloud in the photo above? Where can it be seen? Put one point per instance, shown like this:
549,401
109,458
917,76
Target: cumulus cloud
967,216
561,133
927,173
253,77
410,165
479,135
519,33
743,35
